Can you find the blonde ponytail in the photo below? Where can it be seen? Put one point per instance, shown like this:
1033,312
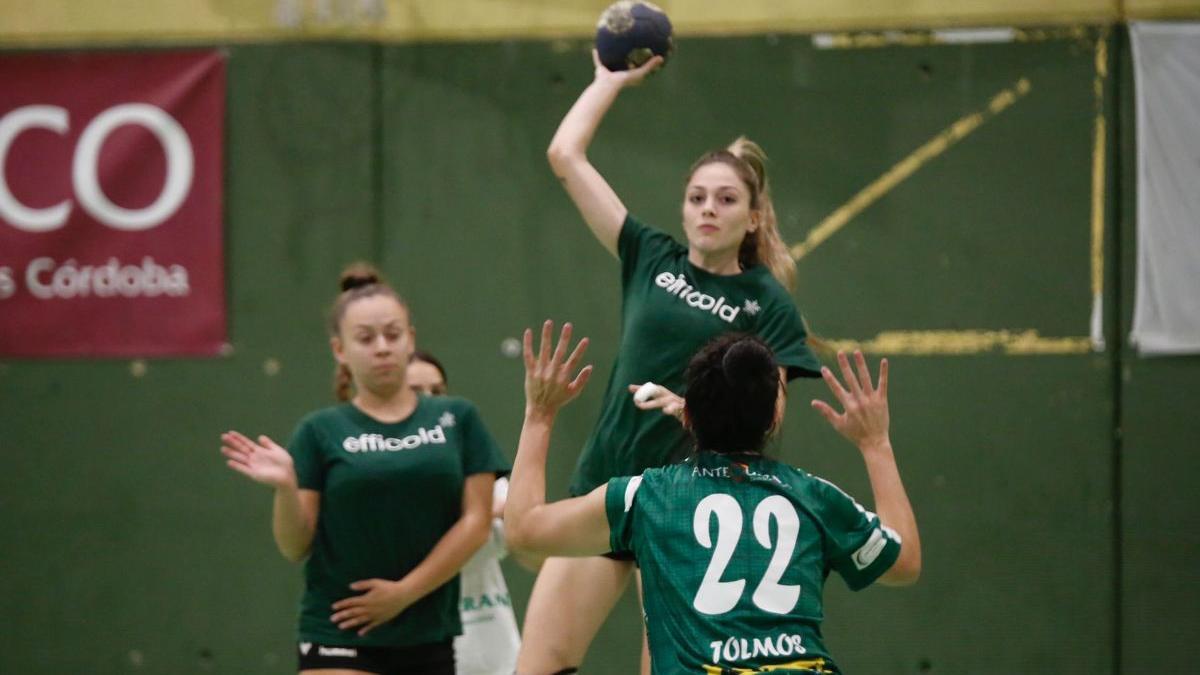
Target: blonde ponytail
765,245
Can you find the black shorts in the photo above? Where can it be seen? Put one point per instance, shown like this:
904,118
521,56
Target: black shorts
620,556
436,658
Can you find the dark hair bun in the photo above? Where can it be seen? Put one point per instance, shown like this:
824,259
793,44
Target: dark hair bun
746,361
732,387
357,275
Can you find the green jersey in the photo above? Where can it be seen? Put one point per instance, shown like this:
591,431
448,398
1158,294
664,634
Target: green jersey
389,491
670,308
734,552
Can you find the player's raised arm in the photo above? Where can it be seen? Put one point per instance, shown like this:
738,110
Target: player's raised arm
572,526
864,422
595,199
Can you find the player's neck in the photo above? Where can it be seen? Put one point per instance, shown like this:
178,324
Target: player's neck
393,406
722,263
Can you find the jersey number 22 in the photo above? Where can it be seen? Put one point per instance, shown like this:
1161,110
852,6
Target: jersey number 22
717,597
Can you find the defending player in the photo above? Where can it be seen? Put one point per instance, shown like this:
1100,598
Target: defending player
734,547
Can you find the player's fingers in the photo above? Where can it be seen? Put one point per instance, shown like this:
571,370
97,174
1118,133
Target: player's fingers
527,348
544,350
848,375
648,67
581,379
365,584
353,601
834,386
576,355
596,58
369,627
267,442
864,373
827,412
347,614
883,378
235,454
238,441
564,339
239,467
352,622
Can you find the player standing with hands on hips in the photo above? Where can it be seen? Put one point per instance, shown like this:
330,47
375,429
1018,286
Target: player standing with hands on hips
733,275
734,547
387,495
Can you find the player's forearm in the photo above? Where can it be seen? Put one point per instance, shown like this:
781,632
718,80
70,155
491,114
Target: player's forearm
527,485
448,556
577,128
893,508
292,527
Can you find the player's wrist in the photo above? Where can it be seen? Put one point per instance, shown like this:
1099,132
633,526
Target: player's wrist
288,483
875,447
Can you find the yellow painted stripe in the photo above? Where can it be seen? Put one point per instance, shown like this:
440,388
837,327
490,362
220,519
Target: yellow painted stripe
927,38
906,167
962,343
57,22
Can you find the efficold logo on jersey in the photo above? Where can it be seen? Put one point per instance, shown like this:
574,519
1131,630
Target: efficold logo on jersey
381,443
678,286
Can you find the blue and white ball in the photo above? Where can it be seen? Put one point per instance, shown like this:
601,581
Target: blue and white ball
630,32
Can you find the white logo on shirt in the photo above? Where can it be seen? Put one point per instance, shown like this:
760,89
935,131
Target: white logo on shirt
304,647
680,288
751,307
380,443
337,651
447,419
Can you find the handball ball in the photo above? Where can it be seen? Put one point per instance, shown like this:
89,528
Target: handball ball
630,32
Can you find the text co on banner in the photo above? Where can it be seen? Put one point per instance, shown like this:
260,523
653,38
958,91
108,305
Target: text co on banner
111,204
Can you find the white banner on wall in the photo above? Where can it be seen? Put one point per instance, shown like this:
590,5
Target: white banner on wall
1166,316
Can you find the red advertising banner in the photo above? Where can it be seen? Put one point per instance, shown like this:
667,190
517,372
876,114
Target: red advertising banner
111,204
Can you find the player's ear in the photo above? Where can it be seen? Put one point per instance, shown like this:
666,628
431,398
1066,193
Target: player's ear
335,346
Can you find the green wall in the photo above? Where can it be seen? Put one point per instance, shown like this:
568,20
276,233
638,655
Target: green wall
1052,491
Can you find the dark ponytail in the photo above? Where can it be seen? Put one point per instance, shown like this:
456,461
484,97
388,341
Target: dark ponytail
732,388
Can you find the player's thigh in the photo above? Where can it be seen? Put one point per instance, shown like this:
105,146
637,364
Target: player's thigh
570,600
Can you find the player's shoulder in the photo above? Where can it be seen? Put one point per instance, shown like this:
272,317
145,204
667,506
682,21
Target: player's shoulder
326,416
454,405
643,234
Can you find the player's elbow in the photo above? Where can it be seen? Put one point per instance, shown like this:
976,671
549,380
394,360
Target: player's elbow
561,156
906,570
477,527
516,531
524,536
293,552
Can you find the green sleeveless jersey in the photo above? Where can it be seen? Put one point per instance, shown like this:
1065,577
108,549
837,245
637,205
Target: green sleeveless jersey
734,552
669,310
389,491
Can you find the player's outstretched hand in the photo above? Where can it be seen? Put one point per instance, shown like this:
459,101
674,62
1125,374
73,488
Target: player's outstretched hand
626,78
551,378
660,398
263,462
864,420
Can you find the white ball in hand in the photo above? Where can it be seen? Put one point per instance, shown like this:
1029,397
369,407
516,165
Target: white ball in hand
645,392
